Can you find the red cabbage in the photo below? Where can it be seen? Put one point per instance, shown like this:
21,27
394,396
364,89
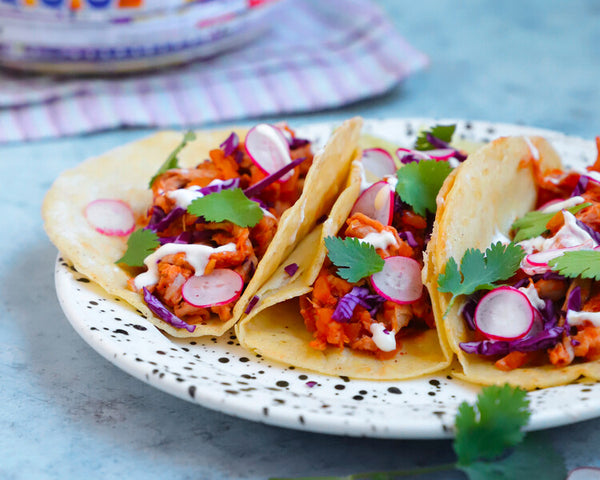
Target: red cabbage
230,144
357,296
409,238
295,143
545,339
158,223
291,269
228,184
437,143
269,179
410,158
590,231
156,306
581,186
251,304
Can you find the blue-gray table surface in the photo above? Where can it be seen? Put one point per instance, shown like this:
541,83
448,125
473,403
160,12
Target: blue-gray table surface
68,413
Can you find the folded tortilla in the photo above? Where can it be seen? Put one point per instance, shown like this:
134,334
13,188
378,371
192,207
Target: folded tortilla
481,200
275,328
124,174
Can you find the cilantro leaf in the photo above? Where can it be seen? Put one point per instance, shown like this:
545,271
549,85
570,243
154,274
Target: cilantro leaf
354,259
533,224
140,244
171,161
486,430
480,271
534,458
231,205
580,263
443,132
419,183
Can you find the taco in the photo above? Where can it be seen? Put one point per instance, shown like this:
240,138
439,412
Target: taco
358,308
512,259
188,240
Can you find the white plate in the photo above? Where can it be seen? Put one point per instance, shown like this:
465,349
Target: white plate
217,373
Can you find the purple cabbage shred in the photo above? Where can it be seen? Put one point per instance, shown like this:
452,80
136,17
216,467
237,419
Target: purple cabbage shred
590,231
409,238
156,306
437,143
230,144
297,143
357,296
258,187
582,184
228,184
291,269
251,304
159,221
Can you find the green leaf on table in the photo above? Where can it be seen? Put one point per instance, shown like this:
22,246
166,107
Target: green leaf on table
354,259
534,458
227,205
486,430
419,183
140,244
171,161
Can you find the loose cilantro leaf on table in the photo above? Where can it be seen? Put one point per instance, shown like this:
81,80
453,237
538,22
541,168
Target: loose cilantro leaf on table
231,205
581,263
486,430
140,244
489,444
533,224
419,183
479,270
443,132
171,161
354,259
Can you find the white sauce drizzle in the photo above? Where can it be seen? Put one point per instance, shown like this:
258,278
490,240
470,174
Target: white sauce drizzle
385,342
392,181
558,206
379,240
532,294
500,237
196,255
184,196
579,318
534,151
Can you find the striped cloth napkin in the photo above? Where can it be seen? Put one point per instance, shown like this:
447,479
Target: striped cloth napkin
319,55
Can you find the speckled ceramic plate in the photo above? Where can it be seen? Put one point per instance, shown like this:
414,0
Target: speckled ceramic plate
217,373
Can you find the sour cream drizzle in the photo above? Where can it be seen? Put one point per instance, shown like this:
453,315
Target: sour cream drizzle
379,240
196,255
184,196
383,338
579,318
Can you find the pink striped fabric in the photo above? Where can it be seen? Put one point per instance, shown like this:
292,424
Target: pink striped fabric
321,54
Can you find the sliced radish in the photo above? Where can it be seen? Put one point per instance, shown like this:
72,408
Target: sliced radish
441,153
401,153
268,149
219,287
378,162
541,259
399,280
110,217
376,202
505,313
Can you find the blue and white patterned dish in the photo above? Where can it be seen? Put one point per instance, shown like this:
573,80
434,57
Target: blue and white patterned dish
218,374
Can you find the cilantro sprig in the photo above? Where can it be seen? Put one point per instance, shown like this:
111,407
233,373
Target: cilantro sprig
354,259
140,244
580,263
479,270
171,161
443,132
419,183
533,224
231,205
489,443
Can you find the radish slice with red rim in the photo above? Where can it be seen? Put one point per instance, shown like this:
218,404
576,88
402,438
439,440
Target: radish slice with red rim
505,313
378,162
406,155
376,202
219,287
268,149
110,217
541,259
399,280
441,153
